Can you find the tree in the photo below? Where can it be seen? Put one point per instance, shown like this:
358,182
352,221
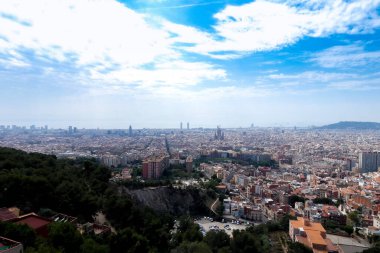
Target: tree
187,231
295,198
216,240
91,246
244,242
21,233
354,217
284,222
372,250
42,248
128,241
192,247
331,224
65,236
296,247
349,229
118,209
325,201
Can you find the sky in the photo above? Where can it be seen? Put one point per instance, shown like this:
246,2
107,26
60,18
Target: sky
155,63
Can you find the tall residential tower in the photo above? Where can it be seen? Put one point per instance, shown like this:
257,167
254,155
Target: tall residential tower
369,161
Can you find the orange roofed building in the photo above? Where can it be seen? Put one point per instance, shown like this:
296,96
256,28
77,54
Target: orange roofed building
312,235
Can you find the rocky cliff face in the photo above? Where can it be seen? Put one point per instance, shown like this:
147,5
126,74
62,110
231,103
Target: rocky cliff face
171,200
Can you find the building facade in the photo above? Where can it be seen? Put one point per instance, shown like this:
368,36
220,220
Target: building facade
369,161
154,167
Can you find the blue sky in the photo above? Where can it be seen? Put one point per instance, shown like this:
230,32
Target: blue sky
154,63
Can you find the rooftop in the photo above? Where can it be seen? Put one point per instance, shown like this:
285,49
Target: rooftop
6,244
33,221
7,214
307,225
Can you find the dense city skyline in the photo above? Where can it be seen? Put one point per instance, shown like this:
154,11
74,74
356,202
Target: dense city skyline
110,64
173,126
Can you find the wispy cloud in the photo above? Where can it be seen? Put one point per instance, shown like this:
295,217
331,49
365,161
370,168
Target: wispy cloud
317,81
174,73
346,56
313,76
10,62
181,6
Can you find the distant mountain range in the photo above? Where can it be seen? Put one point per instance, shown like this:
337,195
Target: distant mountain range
345,125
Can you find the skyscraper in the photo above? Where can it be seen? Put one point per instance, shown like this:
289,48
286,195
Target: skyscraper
130,133
180,125
219,135
369,161
188,125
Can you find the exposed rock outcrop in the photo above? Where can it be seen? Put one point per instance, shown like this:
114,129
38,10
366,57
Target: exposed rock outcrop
171,200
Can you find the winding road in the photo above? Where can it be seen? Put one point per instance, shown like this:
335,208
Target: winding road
213,204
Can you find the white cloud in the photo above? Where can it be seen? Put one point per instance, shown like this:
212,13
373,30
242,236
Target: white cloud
346,56
181,6
364,84
10,62
103,39
114,45
267,25
316,81
95,31
174,73
313,76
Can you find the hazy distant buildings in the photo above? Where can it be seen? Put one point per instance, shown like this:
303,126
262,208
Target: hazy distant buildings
110,160
254,156
369,161
219,134
188,125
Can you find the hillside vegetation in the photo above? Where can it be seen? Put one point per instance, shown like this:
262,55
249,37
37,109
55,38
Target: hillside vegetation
44,184
36,183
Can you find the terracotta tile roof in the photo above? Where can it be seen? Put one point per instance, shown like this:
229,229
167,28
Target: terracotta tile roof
33,221
300,222
315,237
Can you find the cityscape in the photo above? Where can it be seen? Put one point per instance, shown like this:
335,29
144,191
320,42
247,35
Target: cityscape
190,126
329,180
